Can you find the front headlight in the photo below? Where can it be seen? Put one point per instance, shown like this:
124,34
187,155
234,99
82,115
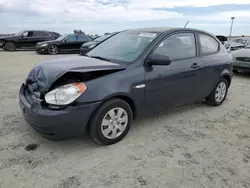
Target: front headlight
65,94
44,45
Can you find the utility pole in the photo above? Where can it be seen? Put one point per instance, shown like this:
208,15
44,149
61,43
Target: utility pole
232,23
186,24
7,29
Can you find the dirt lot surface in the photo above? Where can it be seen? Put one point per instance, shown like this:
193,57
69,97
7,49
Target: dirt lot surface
192,146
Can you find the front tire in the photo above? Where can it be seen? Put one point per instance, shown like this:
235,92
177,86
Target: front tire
53,50
10,46
111,122
219,93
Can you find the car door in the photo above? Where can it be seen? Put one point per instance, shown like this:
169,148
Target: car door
69,43
26,39
213,64
177,83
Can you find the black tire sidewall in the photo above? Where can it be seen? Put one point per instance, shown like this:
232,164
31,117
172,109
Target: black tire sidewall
95,125
212,99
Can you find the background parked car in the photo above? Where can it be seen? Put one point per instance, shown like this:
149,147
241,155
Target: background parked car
241,59
27,38
86,47
237,44
70,43
222,38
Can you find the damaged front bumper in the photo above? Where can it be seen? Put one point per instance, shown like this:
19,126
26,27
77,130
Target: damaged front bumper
55,124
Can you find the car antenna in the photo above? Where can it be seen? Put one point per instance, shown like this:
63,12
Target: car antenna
186,24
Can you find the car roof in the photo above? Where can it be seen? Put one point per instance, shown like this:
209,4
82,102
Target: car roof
37,30
32,30
165,29
152,29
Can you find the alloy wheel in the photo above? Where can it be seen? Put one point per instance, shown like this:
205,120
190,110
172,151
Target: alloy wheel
53,50
10,46
220,92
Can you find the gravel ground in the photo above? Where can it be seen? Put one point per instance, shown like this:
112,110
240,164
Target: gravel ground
192,146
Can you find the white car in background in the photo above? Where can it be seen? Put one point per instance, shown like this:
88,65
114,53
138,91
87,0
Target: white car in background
241,59
237,44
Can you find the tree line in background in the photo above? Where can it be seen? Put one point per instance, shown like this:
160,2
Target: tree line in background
90,35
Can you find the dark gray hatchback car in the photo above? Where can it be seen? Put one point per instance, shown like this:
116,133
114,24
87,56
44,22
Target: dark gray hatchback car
127,75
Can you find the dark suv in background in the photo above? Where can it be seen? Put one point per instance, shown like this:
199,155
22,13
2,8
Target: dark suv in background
26,39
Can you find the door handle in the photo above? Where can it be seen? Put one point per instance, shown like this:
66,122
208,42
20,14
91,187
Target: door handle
195,66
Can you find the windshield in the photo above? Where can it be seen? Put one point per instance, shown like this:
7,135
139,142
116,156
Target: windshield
19,33
125,46
62,37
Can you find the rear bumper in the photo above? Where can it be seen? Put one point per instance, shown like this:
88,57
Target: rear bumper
56,124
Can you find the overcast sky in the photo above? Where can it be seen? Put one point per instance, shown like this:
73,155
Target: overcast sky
100,16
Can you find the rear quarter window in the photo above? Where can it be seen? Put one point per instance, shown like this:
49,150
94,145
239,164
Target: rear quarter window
208,44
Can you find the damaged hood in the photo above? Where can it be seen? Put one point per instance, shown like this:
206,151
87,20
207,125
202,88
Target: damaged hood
46,73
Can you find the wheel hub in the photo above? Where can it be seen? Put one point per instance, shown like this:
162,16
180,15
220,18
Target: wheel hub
114,123
220,92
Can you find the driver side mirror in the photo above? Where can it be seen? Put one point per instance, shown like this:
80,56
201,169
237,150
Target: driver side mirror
21,36
65,40
155,59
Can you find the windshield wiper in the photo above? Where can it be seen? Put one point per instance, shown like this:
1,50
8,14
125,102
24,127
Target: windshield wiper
101,58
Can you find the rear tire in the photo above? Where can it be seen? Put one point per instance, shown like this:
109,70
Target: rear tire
53,50
111,122
219,93
10,46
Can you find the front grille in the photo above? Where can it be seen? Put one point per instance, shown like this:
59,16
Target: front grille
245,59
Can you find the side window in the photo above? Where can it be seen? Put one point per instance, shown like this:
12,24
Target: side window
178,46
28,34
83,38
40,34
208,44
71,38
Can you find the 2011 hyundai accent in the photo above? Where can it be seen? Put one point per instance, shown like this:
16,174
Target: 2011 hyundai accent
127,75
